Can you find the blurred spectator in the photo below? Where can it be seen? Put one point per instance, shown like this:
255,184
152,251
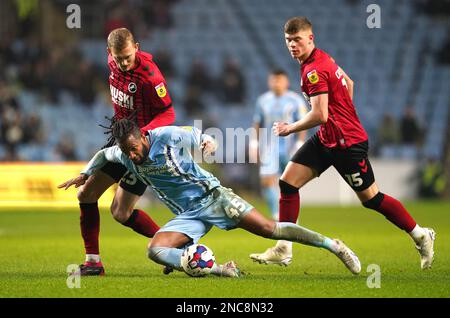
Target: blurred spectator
33,132
193,102
432,179
10,155
443,56
159,11
164,60
198,76
117,18
65,149
410,129
11,129
231,83
84,80
434,7
388,132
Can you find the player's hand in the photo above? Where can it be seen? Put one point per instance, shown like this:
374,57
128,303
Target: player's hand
78,181
208,147
280,129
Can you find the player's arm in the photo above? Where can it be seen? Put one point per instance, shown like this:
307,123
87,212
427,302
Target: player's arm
98,161
349,83
190,137
318,115
157,96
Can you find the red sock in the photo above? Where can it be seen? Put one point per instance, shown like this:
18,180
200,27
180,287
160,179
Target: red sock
141,223
393,210
289,207
90,226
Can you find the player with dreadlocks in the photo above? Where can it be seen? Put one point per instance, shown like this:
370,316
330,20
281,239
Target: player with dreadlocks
163,160
138,92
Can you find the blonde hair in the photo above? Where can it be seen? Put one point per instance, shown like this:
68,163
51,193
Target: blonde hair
118,39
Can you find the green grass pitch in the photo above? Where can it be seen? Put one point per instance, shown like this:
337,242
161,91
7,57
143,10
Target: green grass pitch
37,245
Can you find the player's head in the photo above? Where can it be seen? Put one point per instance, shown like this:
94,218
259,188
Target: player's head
298,33
131,140
278,82
123,48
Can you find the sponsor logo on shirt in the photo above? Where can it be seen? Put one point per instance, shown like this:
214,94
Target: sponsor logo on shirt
120,98
313,77
161,90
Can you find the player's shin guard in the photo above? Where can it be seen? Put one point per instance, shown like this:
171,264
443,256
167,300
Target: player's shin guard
295,233
289,202
167,256
90,227
393,210
141,223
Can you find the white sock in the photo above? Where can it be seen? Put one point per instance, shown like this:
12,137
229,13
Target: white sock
417,233
284,245
216,269
93,258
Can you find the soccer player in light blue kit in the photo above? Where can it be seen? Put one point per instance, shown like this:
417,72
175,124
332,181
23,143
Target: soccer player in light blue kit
163,161
277,104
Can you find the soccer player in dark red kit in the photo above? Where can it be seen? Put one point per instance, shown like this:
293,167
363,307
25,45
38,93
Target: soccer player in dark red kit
341,142
138,92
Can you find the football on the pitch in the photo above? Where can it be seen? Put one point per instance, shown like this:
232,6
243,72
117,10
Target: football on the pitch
197,260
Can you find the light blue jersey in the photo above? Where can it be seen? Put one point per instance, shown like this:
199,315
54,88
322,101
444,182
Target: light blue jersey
193,194
275,151
169,170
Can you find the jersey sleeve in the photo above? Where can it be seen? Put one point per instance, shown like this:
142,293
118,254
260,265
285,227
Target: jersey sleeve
155,90
316,82
112,154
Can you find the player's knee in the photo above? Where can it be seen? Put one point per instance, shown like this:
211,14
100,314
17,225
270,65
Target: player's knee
86,195
120,213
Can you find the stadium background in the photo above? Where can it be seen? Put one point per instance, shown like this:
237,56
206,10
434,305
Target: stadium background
215,56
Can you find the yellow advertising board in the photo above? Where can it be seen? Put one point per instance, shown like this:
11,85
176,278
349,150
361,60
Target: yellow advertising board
35,185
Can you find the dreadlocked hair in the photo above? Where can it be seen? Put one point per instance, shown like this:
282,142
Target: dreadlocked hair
109,128
123,128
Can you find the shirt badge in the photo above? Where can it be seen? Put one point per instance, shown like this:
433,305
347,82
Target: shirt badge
161,90
132,88
313,77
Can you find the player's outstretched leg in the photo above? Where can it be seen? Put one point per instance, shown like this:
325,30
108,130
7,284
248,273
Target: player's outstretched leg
256,223
396,213
171,258
166,249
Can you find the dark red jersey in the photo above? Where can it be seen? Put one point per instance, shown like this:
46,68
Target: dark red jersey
143,89
320,75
